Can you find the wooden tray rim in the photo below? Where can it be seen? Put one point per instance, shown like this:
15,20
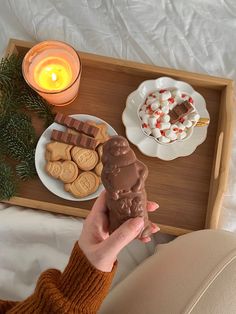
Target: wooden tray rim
220,168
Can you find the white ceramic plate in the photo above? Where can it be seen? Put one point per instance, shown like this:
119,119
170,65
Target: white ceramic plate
54,185
147,144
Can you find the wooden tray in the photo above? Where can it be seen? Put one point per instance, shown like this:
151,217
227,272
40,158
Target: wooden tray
189,190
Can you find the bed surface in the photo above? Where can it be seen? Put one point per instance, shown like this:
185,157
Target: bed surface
197,36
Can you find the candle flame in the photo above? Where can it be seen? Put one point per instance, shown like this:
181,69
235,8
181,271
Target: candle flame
54,77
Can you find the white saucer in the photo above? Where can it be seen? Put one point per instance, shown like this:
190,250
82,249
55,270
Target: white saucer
147,144
54,185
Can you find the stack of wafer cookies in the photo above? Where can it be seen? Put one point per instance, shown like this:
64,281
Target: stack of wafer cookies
74,156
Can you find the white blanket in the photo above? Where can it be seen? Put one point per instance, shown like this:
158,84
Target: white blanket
195,35
31,241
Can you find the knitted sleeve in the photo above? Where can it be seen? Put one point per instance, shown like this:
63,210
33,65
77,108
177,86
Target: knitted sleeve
81,288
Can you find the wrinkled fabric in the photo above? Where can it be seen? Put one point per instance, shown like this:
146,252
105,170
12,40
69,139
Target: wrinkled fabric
32,241
194,35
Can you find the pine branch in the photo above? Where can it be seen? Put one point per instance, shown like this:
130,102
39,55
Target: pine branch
26,168
7,182
9,100
20,124
10,67
10,70
15,93
17,137
33,102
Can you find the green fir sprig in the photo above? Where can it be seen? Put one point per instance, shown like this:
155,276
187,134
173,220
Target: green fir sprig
7,182
33,102
18,138
10,71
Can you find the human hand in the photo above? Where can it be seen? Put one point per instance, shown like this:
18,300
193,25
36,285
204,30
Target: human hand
99,247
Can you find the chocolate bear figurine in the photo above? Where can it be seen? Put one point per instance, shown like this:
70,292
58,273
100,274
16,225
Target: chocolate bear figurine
123,177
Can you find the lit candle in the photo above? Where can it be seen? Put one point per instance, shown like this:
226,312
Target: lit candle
53,69
53,74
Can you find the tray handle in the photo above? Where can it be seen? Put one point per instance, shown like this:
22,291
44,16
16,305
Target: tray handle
218,155
220,171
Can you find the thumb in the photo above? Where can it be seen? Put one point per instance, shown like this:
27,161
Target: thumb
123,235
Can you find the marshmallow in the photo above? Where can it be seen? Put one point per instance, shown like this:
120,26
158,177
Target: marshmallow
152,122
145,118
174,128
155,105
187,123
164,125
186,97
177,95
171,135
164,103
164,139
165,118
157,114
165,109
181,136
194,116
165,95
156,133
179,99
175,92
157,94
180,125
150,100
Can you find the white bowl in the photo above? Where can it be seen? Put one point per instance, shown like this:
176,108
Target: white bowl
148,145
52,184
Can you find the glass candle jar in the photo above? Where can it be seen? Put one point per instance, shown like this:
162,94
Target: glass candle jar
53,70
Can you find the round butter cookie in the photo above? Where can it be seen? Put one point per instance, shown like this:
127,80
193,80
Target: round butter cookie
98,169
86,184
54,168
69,171
86,159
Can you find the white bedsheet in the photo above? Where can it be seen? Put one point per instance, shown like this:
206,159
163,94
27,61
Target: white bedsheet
195,35
31,241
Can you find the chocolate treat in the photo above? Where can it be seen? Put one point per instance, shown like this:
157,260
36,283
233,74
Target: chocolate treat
179,111
80,126
123,177
72,139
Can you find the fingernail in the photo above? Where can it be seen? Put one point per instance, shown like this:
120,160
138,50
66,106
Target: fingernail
154,204
155,226
158,228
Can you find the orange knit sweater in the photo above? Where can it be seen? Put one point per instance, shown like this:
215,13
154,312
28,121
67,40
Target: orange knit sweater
81,288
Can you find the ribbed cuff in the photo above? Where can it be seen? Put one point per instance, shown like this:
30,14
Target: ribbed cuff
82,283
